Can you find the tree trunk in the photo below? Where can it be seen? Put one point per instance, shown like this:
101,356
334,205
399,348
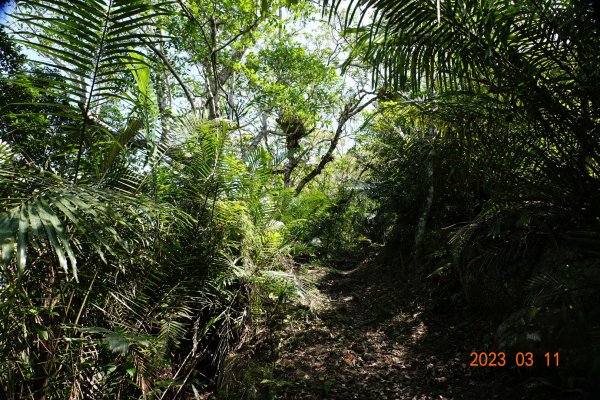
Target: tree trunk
163,93
422,223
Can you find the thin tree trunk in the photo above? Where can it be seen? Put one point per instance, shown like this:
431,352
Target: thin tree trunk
45,346
264,129
213,75
422,223
164,100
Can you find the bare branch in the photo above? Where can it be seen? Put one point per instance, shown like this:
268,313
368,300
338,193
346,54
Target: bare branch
163,58
350,110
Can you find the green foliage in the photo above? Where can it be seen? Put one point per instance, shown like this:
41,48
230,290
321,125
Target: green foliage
491,62
297,83
90,46
10,58
487,150
144,237
328,219
129,268
43,208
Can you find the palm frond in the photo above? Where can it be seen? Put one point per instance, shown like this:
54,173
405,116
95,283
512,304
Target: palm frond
45,212
90,46
472,40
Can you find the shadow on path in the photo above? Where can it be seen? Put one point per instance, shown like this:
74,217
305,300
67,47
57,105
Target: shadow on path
375,337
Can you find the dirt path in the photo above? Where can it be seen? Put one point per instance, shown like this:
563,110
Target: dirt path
374,337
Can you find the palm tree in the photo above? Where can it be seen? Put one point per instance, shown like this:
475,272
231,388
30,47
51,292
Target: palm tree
513,90
84,208
531,59
127,267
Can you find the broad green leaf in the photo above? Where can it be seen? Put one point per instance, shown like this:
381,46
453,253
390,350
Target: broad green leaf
47,219
117,343
59,229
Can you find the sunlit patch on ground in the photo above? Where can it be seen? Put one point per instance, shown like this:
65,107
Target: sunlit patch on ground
369,338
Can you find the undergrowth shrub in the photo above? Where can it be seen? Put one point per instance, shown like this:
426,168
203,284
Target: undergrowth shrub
502,234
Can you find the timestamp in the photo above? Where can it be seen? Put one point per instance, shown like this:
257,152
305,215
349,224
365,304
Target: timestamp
519,359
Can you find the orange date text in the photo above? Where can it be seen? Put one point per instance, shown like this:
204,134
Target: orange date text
519,359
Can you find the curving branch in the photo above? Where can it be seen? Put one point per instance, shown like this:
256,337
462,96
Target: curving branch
163,58
350,110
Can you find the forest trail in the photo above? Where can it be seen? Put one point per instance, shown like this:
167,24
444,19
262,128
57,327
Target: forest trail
376,337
